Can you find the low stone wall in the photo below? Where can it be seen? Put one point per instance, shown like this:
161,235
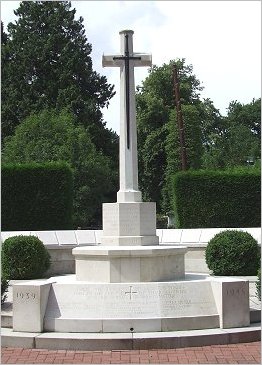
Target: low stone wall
61,243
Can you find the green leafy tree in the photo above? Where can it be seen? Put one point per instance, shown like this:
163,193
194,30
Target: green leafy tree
152,116
47,64
193,143
158,137
54,136
159,83
240,141
212,141
246,114
152,168
212,123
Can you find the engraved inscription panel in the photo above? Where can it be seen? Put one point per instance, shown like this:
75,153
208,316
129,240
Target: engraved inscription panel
148,219
129,219
136,300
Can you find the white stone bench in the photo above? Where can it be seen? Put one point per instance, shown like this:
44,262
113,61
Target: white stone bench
60,244
198,236
60,238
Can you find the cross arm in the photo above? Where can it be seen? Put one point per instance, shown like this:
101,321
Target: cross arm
145,59
109,61
138,60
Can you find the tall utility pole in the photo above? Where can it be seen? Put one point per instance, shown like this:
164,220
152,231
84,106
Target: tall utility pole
181,129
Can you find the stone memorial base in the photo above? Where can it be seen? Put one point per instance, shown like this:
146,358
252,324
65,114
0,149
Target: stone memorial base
129,224
114,264
63,304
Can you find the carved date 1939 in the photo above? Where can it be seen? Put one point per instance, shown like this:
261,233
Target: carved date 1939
22,295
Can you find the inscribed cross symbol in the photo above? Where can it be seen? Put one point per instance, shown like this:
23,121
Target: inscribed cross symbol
130,292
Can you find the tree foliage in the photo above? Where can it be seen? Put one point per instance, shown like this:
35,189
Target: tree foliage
52,100
211,141
158,135
240,142
46,63
53,136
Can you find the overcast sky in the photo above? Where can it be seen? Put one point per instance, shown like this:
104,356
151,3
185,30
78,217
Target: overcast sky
221,39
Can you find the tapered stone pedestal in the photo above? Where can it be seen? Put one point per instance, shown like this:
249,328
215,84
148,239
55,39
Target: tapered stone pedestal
129,224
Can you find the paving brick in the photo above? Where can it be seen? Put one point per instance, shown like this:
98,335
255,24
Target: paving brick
222,361
143,352
173,358
87,358
162,357
247,353
183,361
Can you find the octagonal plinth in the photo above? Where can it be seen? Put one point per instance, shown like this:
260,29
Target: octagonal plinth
129,264
129,224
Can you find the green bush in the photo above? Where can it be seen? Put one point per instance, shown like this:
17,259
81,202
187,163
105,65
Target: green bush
258,284
161,221
212,199
4,288
233,253
24,257
36,197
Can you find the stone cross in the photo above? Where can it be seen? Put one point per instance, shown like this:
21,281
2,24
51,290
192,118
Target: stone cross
127,60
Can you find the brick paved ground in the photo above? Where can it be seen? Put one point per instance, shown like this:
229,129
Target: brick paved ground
244,353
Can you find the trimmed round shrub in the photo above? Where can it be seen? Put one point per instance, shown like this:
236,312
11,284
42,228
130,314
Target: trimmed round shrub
258,284
24,257
233,253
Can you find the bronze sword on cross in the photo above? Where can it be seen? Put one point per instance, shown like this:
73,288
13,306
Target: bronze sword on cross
127,60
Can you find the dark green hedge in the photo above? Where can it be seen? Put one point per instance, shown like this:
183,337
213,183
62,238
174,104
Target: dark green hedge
36,196
217,198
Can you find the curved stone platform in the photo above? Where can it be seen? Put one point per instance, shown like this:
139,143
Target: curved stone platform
63,304
130,339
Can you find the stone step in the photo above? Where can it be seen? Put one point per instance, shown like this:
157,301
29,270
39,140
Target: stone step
255,315
129,341
7,320
7,314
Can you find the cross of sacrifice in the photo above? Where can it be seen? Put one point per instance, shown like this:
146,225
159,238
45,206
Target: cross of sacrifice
127,60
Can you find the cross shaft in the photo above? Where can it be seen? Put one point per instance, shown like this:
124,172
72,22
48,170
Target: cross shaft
127,60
